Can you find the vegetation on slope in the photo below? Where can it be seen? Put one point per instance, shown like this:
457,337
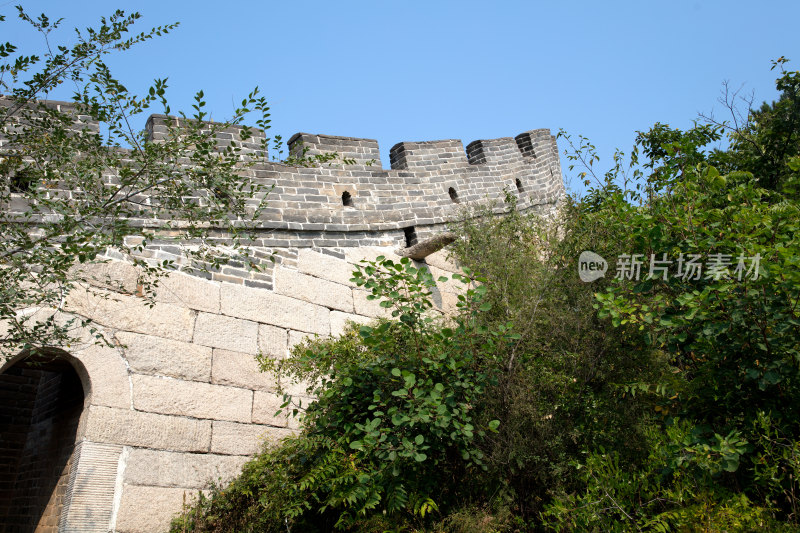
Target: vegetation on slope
649,403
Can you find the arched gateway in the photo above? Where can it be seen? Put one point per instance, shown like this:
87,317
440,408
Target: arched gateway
39,416
53,478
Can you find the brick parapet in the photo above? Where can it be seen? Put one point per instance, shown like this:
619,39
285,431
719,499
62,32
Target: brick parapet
251,141
428,184
359,152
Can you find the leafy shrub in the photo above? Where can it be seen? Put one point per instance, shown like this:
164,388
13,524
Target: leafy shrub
561,393
677,489
398,415
730,333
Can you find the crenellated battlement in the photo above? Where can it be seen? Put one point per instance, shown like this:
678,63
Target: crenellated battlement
352,201
428,156
362,152
428,183
158,126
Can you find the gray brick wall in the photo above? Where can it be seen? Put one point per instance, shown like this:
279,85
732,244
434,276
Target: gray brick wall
427,187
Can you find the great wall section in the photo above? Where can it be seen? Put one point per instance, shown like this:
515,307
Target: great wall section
114,438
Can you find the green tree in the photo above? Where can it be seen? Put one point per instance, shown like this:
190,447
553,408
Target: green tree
733,329
726,446
70,191
765,140
558,395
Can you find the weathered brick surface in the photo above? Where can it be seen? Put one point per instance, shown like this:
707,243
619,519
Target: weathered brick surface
227,333
111,274
154,355
370,308
145,509
265,407
130,313
158,468
189,291
272,341
240,370
339,321
442,260
369,253
168,396
298,337
325,266
451,285
106,376
149,430
89,502
275,309
314,290
230,438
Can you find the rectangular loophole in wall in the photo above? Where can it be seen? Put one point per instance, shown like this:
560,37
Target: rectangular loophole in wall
411,236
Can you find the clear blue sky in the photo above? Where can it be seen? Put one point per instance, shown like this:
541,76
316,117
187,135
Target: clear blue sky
415,71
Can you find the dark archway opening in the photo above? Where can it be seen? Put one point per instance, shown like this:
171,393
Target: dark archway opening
41,402
520,189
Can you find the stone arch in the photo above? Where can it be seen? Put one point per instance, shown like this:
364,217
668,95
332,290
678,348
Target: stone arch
101,369
43,402
87,500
